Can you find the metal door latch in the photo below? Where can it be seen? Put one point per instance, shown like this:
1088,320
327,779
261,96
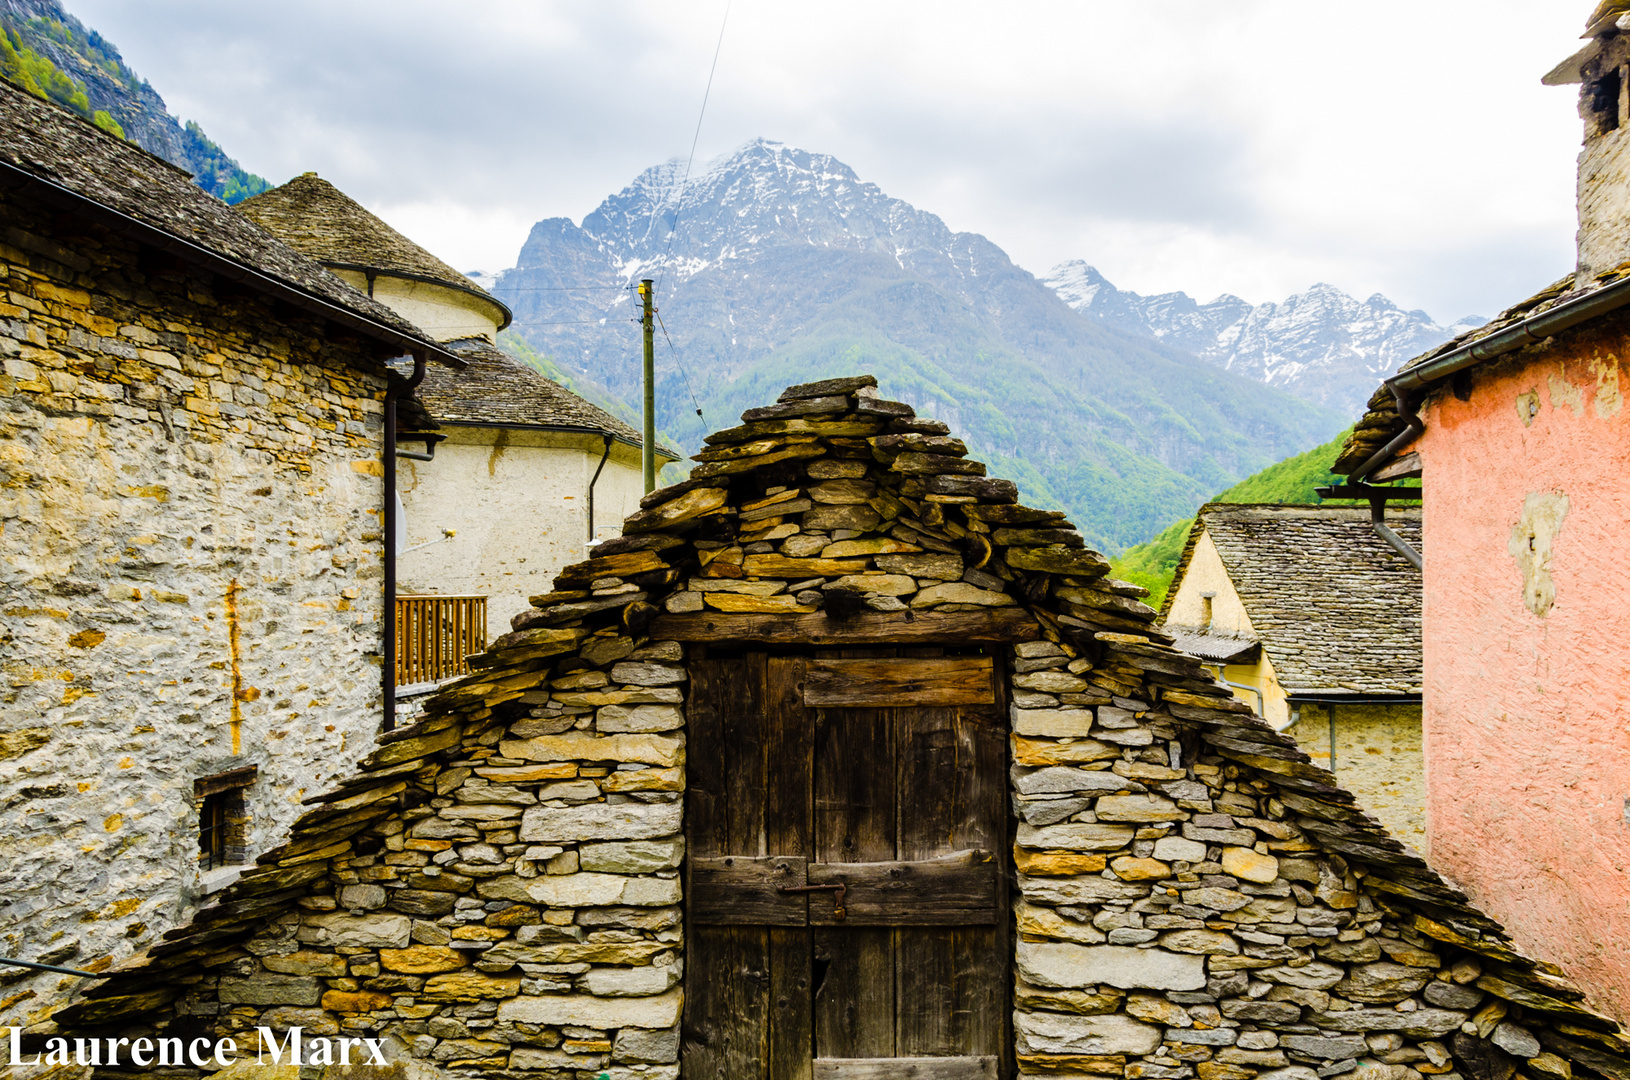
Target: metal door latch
839,890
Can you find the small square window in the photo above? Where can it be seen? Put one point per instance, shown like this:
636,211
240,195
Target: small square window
223,818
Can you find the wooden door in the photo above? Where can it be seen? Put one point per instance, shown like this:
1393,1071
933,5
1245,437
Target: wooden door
882,772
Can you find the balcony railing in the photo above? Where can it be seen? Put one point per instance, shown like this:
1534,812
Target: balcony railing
435,633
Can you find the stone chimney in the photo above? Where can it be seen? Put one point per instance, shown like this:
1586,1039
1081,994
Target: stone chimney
1602,71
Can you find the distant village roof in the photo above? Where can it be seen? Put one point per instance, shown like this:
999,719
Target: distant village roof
1337,610
322,222
497,389
67,161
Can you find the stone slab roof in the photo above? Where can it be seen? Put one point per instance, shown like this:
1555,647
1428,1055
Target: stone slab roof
496,388
322,222
1217,648
1337,610
1381,421
77,160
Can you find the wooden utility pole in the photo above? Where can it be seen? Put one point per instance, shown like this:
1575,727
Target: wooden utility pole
648,453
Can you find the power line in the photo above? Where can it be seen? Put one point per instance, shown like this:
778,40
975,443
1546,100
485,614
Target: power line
695,139
571,288
682,372
679,209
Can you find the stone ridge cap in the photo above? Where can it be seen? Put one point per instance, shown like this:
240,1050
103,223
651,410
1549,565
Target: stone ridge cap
394,781
316,218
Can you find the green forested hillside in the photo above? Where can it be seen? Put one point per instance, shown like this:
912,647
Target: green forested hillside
1292,481
38,75
50,53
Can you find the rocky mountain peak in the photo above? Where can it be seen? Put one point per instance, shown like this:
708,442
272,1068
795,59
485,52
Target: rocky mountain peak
778,264
1320,344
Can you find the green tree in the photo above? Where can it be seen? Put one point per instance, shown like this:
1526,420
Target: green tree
1292,482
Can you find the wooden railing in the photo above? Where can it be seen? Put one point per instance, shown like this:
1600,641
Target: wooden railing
435,633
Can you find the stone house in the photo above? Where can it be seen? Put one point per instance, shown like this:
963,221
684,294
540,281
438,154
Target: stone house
1518,431
190,521
523,475
840,762
1315,622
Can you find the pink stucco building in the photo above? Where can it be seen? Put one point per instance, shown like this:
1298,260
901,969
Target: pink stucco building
1521,436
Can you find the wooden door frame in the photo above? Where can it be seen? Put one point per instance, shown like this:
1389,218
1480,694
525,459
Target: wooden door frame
711,639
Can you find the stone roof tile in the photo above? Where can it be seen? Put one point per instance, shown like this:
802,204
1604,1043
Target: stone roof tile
496,388
1337,610
53,145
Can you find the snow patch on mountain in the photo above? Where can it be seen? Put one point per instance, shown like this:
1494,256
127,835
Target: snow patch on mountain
1321,345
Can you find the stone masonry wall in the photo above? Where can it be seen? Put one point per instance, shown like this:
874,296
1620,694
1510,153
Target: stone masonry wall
1378,758
521,915
498,889
1180,918
189,497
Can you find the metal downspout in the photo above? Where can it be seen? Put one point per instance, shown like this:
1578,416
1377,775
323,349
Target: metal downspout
392,393
1261,703
1378,522
1330,711
608,437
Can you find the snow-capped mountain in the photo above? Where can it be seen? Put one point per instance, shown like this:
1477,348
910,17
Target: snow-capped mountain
1321,345
777,265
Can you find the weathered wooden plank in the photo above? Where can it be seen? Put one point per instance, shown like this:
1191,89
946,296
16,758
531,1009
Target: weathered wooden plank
789,747
743,890
743,736
705,809
727,1003
903,681
903,627
952,890
1399,468
983,979
791,1039
906,1068
727,969
854,821
924,960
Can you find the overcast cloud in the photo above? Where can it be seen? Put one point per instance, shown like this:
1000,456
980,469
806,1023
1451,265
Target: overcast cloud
1251,147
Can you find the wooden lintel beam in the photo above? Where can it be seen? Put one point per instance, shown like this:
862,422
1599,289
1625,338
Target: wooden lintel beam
1406,467
903,627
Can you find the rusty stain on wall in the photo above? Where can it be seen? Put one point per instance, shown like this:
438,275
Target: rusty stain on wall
237,671
1532,538
499,445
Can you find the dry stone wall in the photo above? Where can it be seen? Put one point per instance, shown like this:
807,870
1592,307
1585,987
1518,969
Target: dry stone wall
498,888
189,496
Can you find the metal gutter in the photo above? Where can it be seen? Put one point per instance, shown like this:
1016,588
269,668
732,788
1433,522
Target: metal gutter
570,429
153,236
1314,697
1410,385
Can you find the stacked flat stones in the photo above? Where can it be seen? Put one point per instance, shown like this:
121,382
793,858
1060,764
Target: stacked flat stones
836,500
498,888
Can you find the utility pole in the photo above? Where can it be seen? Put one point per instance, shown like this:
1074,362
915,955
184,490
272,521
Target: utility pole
648,453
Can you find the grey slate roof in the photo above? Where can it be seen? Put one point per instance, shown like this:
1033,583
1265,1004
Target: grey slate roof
1337,610
322,222
80,162
498,389
1215,648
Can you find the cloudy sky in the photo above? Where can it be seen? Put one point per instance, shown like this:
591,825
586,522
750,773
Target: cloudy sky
1251,146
